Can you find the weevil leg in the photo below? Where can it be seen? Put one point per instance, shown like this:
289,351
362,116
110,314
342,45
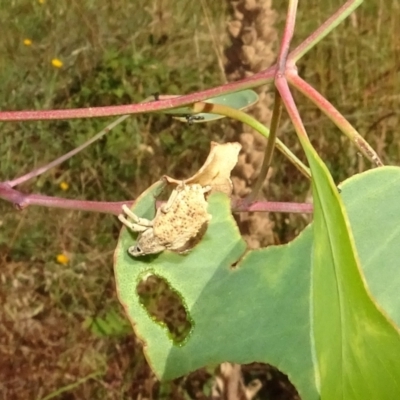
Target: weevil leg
131,225
137,220
206,189
166,207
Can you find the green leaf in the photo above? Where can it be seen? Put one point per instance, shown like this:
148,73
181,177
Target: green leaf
372,200
112,324
260,310
256,311
357,347
238,100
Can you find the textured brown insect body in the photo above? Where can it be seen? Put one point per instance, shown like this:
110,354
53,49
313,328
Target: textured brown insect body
178,225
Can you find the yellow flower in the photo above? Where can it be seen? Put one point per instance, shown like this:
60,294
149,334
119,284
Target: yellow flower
56,63
64,186
27,42
62,259
41,1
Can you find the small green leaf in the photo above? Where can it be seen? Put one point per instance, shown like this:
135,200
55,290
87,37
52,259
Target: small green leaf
238,100
112,324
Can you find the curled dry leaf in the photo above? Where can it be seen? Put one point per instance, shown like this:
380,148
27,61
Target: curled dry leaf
216,171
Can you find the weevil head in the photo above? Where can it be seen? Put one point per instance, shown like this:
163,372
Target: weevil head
147,243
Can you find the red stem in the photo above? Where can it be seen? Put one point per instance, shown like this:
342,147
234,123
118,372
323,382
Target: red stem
323,104
291,108
273,206
278,71
287,36
247,83
334,115
152,106
21,201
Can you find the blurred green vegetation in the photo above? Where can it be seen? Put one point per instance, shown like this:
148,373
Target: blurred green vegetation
57,316
111,53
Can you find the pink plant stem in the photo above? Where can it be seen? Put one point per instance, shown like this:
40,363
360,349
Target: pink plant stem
285,68
21,201
152,106
281,83
335,116
247,83
287,37
291,108
273,206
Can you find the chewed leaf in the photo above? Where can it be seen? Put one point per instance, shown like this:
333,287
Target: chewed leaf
217,169
259,299
255,306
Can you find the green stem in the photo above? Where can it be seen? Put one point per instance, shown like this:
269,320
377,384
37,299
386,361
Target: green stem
65,157
269,150
330,24
72,386
247,119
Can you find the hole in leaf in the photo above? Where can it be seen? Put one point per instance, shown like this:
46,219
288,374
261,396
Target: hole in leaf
256,381
165,306
271,383
256,229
